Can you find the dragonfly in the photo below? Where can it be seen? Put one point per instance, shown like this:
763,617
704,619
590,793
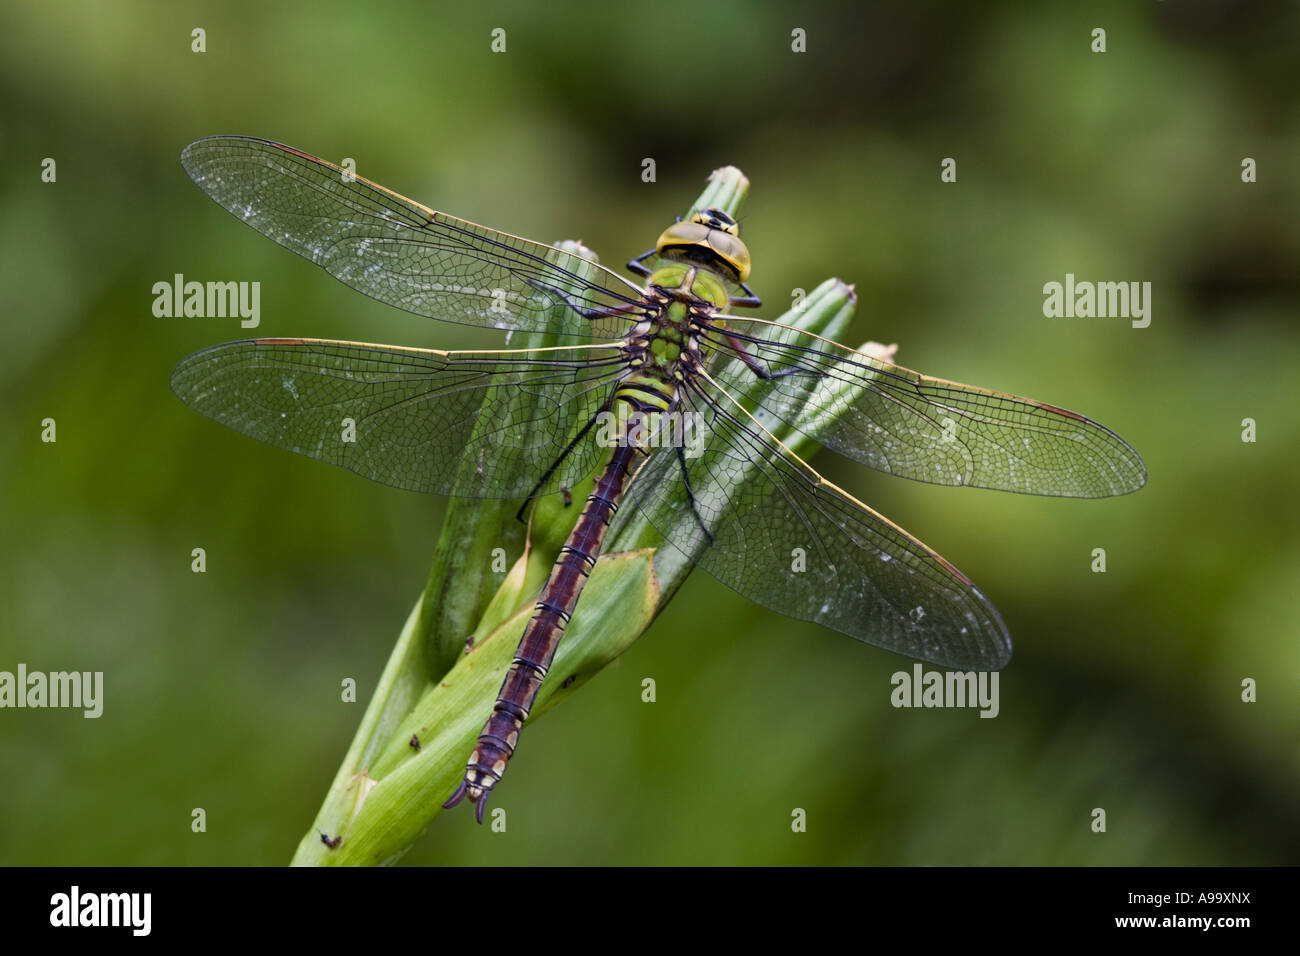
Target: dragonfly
635,359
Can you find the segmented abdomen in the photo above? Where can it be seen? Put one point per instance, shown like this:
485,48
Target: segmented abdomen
496,744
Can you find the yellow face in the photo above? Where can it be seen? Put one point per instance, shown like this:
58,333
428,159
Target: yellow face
710,238
717,219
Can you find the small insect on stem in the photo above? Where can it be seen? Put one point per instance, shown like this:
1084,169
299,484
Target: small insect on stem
568,495
415,742
568,680
331,842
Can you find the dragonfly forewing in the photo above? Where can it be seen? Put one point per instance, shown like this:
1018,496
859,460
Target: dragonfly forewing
399,251
911,425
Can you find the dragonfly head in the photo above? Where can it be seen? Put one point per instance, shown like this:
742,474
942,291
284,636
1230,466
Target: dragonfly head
716,219
710,239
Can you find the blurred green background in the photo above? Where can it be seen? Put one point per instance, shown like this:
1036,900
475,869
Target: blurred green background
222,688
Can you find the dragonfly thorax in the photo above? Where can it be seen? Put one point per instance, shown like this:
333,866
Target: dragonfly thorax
680,288
681,302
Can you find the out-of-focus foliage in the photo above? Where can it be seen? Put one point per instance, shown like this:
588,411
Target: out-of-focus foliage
222,689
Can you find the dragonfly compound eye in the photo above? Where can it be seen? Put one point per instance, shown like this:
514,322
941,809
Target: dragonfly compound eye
716,247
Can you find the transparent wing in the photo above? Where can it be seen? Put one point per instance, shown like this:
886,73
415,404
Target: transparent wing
768,526
927,429
470,424
398,251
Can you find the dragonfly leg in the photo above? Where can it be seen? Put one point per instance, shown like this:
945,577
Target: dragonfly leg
748,301
602,312
636,266
757,367
690,495
568,450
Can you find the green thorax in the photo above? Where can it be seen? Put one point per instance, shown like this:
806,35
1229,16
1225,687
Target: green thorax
688,280
683,293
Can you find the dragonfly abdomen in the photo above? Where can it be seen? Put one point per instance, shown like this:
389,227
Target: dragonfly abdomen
496,744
